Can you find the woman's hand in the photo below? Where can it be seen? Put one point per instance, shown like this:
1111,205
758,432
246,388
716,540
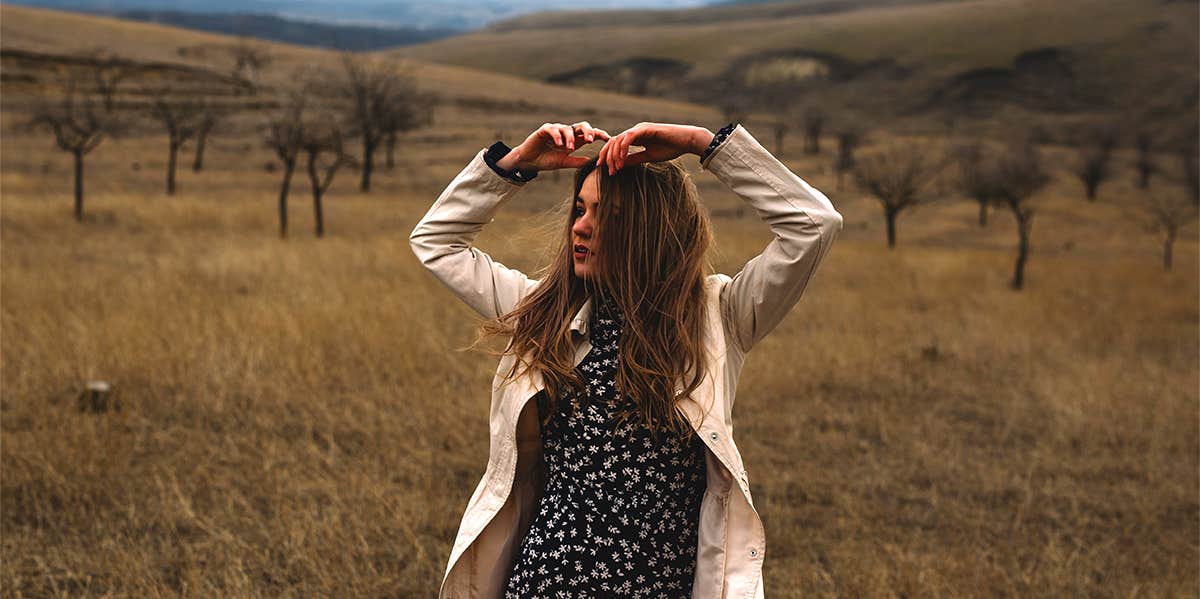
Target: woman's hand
662,141
550,147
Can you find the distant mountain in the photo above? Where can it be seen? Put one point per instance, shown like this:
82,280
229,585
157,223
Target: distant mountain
721,11
418,14
354,38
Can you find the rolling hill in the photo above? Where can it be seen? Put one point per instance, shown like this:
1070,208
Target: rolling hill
1068,56
53,34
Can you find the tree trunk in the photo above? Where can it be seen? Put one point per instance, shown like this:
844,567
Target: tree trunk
315,181
201,138
891,228
172,155
780,131
368,160
1168,244
983,214
1092,186
1023,226
391,150
78,184
288,167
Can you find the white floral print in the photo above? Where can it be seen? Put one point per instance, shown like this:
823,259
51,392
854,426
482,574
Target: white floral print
619,512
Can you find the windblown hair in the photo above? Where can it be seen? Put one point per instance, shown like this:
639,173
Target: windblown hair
653,239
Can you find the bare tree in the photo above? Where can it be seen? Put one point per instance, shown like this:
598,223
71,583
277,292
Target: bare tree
380,97
322,141
1094,160
976,179
210,115
814,122
778,98
181,117
250,59
849,138
729,94
108,71
414,110
779,94
82,118
1018,175
1169,209
900,176
285,132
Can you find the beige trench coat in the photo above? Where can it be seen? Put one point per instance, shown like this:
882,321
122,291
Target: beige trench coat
742,309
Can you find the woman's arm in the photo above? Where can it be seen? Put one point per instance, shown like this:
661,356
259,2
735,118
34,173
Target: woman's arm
442,240
803,220
804,223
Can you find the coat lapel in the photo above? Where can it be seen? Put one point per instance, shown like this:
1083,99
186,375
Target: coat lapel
579,324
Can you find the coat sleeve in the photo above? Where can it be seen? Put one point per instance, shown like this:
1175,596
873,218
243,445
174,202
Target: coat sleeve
803,221
442,241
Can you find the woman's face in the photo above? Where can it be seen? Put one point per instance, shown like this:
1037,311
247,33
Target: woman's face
583,239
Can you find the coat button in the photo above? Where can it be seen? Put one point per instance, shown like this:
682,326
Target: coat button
753,553
713,436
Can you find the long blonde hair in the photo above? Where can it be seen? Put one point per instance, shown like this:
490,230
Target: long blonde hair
653,259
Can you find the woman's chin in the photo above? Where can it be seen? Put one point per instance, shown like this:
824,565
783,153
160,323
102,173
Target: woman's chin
582,272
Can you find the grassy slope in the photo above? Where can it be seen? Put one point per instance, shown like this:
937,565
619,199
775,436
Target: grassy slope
295,421
59,32
939,39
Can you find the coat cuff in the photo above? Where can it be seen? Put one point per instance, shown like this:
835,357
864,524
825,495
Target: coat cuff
718,139
499,150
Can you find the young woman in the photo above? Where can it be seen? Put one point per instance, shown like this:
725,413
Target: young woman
612,469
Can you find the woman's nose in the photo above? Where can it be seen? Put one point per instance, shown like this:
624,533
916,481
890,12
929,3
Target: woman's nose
583,226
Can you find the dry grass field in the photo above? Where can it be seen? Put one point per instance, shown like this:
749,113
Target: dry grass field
296,417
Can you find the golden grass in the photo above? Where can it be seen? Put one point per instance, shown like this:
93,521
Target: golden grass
295,420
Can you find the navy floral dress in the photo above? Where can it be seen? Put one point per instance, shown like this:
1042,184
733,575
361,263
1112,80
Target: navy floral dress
619,514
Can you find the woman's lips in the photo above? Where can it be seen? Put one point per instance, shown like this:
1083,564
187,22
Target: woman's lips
581,251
